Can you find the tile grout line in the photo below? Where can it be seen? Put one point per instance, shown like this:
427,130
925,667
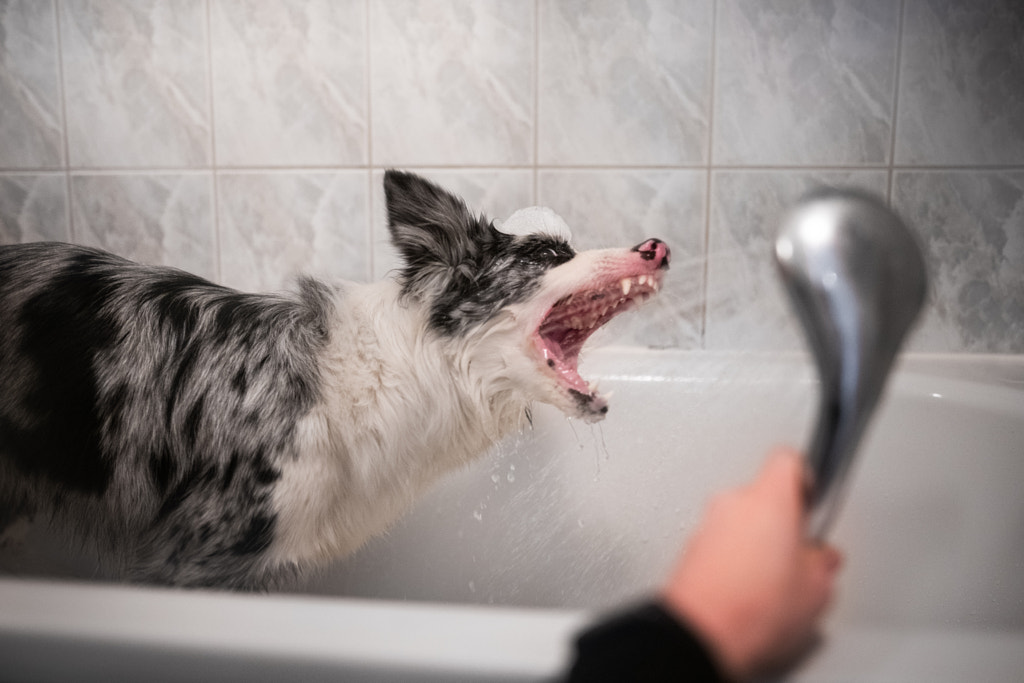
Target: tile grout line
536,102
218,265
731,168
712,82
371,256
69,214
900,23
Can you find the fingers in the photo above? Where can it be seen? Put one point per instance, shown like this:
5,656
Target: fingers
784,477
783,480
821,566
784,469
833,559
826,562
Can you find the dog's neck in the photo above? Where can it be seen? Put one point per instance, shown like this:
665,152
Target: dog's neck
405,406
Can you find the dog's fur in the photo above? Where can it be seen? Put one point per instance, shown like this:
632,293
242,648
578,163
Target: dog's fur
206,437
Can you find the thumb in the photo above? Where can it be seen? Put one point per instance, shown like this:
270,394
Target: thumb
784,475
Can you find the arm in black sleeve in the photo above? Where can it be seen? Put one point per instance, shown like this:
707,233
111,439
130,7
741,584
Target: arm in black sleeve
643,645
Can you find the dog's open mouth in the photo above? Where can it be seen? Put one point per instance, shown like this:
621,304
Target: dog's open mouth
571,321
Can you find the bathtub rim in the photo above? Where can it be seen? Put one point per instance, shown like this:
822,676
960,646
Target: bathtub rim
144,633
994,381
259,636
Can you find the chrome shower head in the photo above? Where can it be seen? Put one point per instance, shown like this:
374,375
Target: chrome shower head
856,277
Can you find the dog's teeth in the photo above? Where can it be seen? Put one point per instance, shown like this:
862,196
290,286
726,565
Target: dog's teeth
626,285
642,280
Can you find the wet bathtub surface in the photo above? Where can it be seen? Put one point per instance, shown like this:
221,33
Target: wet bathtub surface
568,520
573,516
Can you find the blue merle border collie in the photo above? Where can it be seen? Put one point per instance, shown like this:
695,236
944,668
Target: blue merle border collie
200,436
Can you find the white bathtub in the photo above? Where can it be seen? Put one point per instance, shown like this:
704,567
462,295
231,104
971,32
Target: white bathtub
492,573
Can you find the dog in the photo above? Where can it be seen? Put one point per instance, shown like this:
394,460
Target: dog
199,436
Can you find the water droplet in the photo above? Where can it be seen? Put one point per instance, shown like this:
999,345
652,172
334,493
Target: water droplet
495,478
478,515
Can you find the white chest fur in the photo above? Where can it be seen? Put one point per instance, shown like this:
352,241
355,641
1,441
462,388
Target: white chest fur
401,407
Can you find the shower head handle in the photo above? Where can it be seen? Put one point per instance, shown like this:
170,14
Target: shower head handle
857,281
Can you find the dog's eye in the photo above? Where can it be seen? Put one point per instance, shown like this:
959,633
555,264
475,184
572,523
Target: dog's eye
552,255
544,252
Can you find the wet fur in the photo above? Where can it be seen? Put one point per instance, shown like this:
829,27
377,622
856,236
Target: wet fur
205,437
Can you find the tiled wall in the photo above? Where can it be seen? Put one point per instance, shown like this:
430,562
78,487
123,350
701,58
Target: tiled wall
245,139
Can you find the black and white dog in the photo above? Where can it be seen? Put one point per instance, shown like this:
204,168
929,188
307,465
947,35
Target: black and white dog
205,437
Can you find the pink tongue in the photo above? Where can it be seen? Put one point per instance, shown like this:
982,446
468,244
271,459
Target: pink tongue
552,352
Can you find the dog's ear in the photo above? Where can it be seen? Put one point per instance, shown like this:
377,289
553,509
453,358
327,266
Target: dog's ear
436,234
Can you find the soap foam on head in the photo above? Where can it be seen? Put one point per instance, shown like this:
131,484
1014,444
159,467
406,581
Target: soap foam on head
535,219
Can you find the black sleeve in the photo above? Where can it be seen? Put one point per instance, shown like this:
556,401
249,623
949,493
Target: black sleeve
642,645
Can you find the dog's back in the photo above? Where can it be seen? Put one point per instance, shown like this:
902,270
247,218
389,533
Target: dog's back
150,408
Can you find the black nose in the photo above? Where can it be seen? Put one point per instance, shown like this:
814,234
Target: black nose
654,250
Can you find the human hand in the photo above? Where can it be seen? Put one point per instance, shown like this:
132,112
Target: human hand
749,580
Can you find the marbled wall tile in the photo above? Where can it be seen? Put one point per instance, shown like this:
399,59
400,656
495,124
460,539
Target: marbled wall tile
452,81
30,120
275,226
624,83
804,83
494,193
33,208
747,308
135,77
289,82
622,208
158,219
962,83
974,223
